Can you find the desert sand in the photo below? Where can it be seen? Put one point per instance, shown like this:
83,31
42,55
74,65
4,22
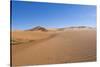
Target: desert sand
53,47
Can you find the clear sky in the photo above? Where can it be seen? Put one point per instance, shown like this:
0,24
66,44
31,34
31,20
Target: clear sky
26,15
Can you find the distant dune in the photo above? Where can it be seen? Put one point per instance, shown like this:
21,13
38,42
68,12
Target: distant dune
63,45
38,28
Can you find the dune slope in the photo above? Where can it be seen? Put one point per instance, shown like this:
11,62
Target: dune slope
54,47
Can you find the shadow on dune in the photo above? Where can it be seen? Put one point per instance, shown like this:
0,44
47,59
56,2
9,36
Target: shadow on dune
19,42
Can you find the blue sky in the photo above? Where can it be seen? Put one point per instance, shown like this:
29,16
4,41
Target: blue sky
26,15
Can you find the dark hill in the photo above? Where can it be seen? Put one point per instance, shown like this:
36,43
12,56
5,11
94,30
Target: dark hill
38,28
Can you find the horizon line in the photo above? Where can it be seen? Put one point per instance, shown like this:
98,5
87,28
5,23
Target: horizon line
56,27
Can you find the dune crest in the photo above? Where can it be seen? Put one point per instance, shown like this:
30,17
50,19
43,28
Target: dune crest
63,45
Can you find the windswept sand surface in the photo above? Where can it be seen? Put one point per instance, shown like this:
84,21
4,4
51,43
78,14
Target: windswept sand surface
37,47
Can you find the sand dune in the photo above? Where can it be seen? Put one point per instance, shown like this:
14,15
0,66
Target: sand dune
37,47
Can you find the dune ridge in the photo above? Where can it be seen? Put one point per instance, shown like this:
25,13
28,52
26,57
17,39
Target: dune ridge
52,47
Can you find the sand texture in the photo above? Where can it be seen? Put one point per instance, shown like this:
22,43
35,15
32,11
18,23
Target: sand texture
53,47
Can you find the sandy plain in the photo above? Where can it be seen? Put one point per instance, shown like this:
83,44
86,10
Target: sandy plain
53,47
